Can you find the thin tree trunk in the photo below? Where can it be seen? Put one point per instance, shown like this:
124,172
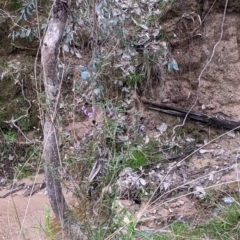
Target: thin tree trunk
49,55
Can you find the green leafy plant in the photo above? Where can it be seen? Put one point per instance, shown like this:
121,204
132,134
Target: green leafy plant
25,28
136,160
9,135
133,79
48,229
26,10
21,170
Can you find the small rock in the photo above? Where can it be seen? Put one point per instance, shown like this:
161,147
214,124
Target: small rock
210,106
170,210
231,134
142,181
202,151
146,140
200,192
211,176
181,202
162,128
190,139
228,200
153,211
166,100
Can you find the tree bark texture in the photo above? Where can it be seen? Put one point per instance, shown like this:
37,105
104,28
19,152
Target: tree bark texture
49,56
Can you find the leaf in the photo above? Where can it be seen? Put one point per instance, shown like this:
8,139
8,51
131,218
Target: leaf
78,55
69,38
30,37
85,75
28,32
114,21
140,25
65,47
10,34
143,26
28,11
25,16
82,69
165,62
173,66
68,29
165,52
99,90
19,18
43,26
22,35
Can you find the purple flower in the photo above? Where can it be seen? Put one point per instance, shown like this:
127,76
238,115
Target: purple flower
83,108
110,113
90,114
142,127
85,112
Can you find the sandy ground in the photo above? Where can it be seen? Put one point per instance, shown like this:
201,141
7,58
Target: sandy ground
17,211
28,212
22,211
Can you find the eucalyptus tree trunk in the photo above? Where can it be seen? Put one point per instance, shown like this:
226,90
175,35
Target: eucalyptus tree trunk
49,55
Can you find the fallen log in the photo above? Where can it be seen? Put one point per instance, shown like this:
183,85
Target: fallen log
200,117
